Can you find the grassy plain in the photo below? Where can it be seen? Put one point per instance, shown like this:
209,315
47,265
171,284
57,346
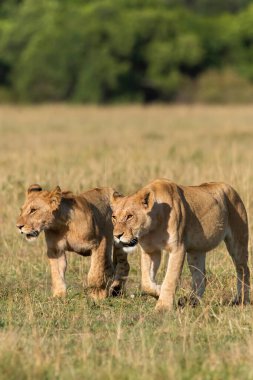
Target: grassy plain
125,147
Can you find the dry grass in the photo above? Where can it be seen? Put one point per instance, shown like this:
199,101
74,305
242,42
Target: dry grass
125,147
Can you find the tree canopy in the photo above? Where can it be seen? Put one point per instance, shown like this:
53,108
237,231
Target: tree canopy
126,50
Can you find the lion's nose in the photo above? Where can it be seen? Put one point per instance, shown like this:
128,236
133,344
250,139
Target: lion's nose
118,236
20,226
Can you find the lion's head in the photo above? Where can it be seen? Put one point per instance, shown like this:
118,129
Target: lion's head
131,217
38,212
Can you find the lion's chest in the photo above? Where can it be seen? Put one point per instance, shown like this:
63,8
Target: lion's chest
154,241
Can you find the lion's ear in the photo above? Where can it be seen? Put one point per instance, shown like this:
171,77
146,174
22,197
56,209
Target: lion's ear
55,197
115,196
147,199
33,188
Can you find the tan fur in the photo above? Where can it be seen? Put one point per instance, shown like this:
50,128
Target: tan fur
77,223
183,219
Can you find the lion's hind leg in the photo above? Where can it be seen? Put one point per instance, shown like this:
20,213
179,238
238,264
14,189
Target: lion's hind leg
238,250
236,240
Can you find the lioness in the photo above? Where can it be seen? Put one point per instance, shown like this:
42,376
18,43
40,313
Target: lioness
180,219
79,223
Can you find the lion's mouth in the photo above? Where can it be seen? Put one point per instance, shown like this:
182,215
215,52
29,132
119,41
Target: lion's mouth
132,243
32,235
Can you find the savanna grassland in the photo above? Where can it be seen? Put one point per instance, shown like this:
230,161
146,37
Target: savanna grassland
124,147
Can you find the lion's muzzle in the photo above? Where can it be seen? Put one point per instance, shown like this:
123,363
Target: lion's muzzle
30,235
132,243
127,245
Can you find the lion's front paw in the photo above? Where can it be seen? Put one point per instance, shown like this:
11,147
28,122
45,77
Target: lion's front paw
59,293
163,306
153,291
98,294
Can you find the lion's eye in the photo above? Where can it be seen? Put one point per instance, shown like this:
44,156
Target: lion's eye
32,211
129,216
113,217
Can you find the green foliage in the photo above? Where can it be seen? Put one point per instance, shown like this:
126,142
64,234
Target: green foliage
130,50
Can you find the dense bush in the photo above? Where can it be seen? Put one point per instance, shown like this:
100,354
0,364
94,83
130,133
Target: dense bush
124,50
